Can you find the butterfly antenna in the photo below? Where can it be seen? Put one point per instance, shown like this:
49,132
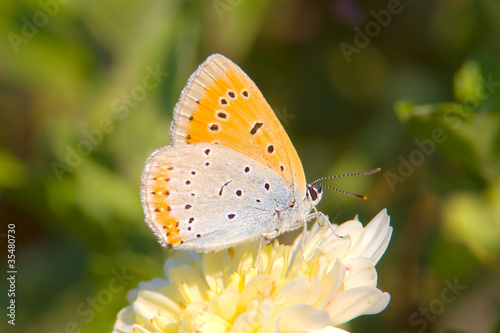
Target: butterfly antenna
359,196
369,172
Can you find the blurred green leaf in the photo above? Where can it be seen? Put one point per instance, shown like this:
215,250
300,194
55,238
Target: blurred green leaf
453,129
474,219
12,170
467,82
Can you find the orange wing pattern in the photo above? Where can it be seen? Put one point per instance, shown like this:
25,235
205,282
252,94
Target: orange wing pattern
155,198
222,105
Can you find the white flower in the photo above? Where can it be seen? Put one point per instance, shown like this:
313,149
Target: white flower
334,282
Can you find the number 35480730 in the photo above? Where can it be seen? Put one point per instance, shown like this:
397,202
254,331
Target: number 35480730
11,239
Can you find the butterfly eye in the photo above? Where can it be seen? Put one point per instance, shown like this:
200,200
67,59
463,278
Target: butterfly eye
313,193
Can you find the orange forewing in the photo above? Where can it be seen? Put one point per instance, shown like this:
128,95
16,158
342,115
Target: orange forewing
222,105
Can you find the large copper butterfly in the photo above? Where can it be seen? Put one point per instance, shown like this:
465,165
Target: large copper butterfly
230,173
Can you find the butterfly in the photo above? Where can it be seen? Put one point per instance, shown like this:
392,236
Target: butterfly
230,174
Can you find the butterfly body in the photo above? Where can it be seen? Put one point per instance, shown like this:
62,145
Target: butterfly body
230,173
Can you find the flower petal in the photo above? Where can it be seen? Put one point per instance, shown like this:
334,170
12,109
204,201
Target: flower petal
141,329
361,272
377,236
372,241
165,323
331,283
252,318
314,237
150,303
209,322
298,291
355,302
217,267
297,318
283,292
189,280
259,288
125,320
153,284
226,304
178,258
328,329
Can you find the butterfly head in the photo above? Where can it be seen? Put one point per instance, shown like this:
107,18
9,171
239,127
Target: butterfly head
314,194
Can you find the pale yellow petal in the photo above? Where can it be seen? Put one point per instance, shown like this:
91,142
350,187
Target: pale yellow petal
328,329
259,288
209,322
165,323
154,284
285,292
248,321
380,232
298,291
296,319
360,272
245,264
280,262
141,329
178,258
190,281
217,267
150,303
331,284
355,302
243,255
125,320
225,305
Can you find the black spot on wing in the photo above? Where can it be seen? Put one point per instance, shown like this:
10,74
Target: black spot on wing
256,127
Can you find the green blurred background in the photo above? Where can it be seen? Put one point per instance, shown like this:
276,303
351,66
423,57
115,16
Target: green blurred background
412,87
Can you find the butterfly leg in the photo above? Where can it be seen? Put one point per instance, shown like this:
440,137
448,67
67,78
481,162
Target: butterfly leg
304,231
268,236
265,238
308,218
303,240
317,214
256,261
